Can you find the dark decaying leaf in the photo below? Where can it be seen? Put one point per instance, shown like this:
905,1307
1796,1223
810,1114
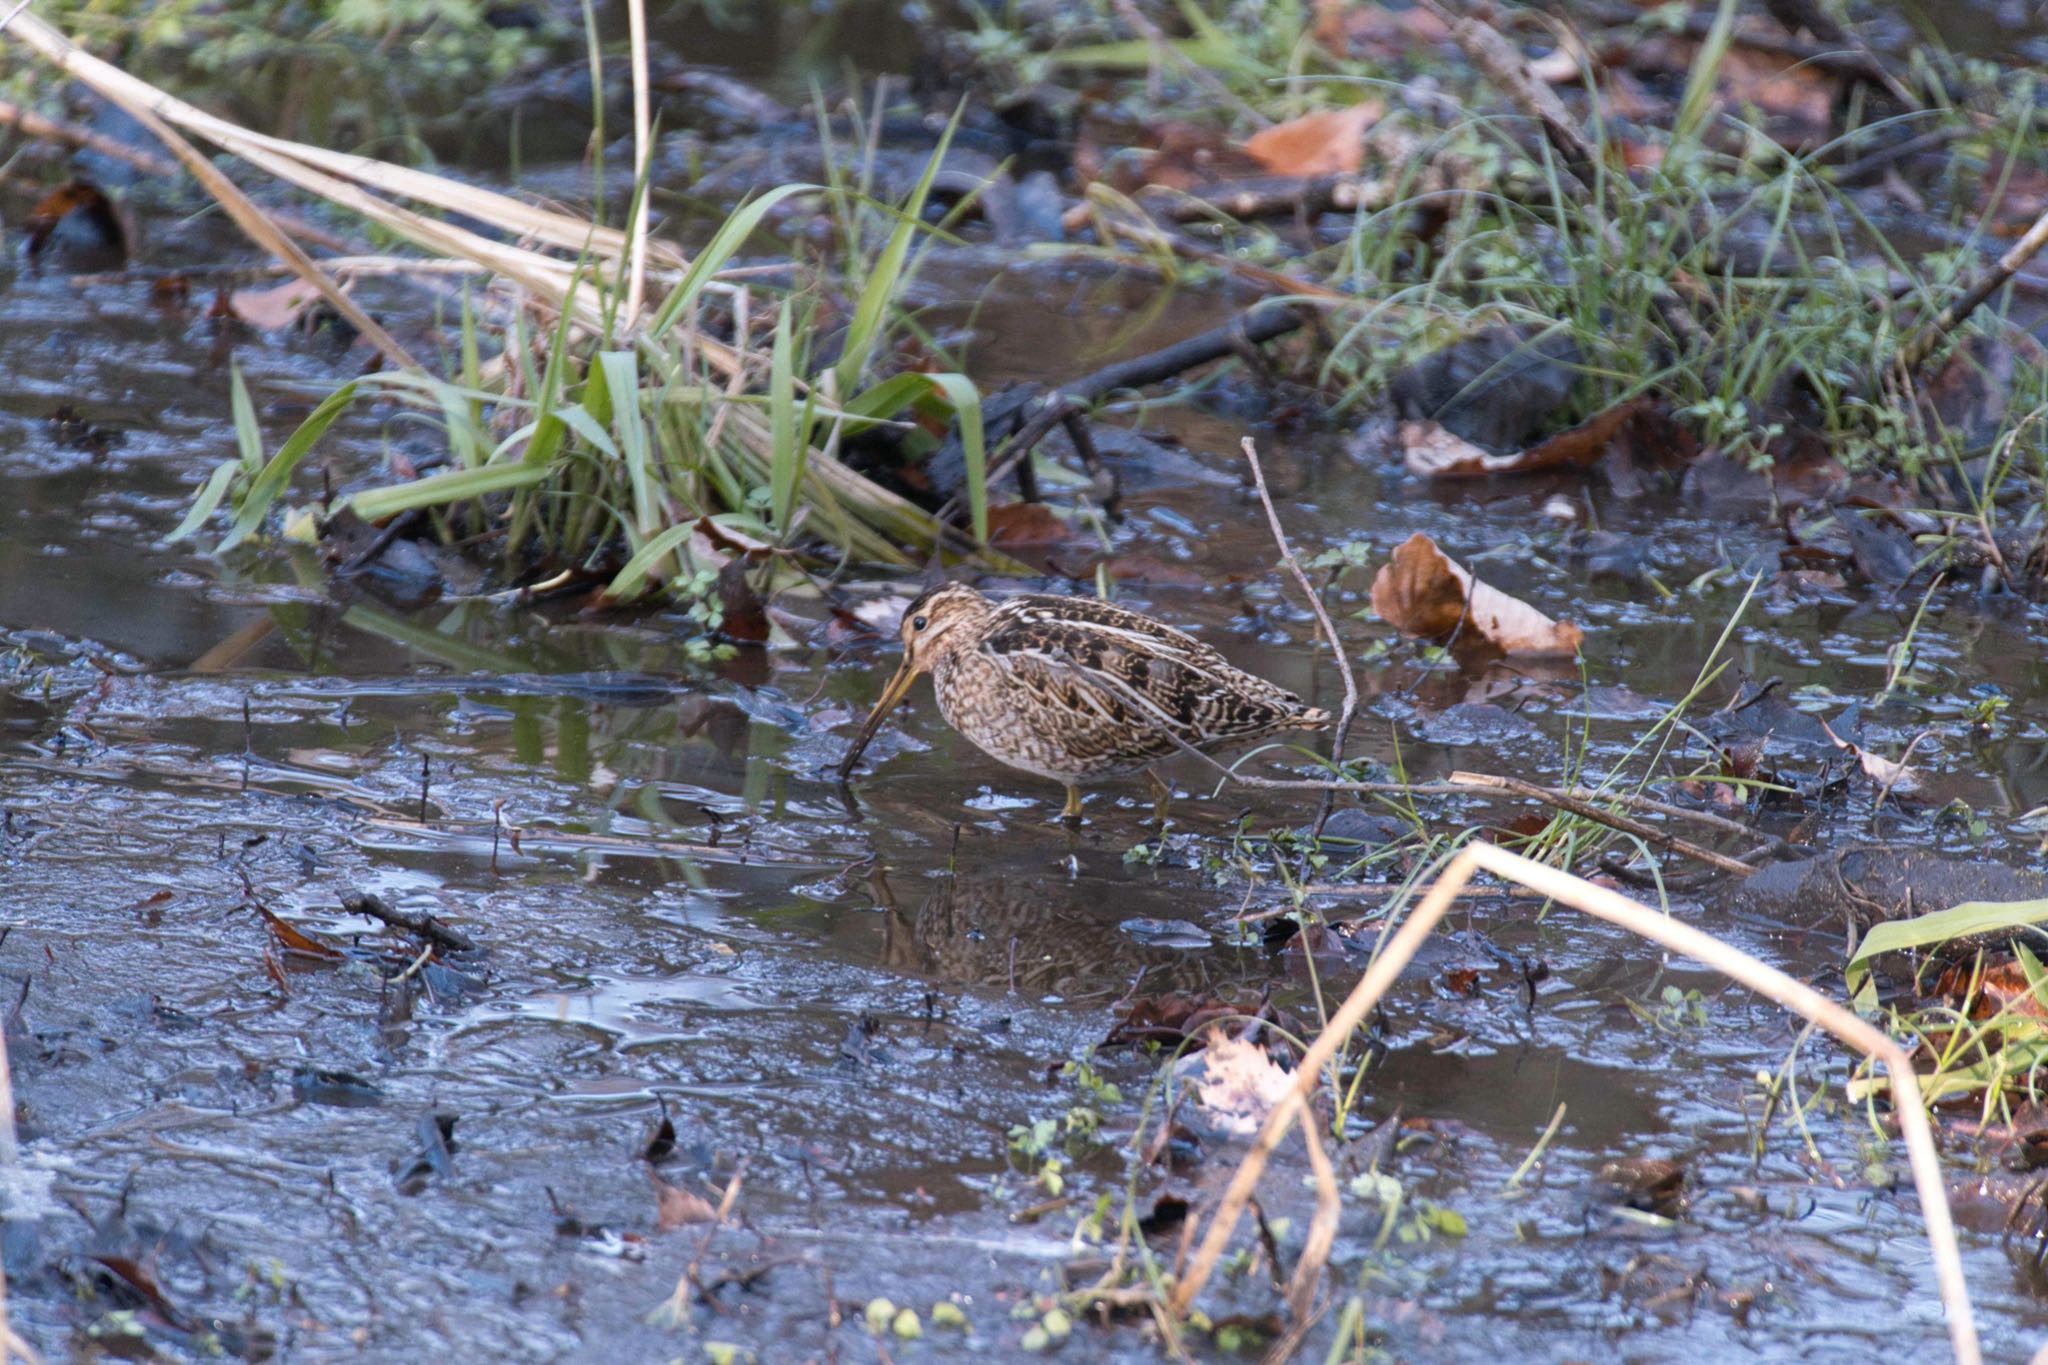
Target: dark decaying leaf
80,222
1174,1018
316,1085
436,1154
661,1143
1499,388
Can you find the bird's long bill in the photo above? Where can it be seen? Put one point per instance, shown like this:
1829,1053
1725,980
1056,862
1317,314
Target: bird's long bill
891,696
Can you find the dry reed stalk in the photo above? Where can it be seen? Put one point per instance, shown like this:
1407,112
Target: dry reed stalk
643,152
1680,938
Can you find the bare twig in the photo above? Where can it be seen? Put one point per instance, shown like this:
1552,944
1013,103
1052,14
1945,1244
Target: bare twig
1329,628
420,926
36,126
1673,934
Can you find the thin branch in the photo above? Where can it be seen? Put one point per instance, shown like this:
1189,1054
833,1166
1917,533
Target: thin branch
1916,351
1680,938
1329,629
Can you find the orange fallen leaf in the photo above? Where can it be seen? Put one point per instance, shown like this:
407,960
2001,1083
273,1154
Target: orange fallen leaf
272,310
1026,523
1423,592
676,1207
2000,988
1327,142
1433,452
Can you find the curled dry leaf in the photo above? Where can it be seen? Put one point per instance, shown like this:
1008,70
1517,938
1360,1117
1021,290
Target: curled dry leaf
1895,778
1327,142
1430,450
1238,1084
1423,592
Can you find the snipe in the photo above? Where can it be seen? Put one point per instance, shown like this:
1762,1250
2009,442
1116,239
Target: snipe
1075,689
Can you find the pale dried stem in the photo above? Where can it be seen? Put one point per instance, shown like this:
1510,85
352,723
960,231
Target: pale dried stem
643,152
1329,628
1678,937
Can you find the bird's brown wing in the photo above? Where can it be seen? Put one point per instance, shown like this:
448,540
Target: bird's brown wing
1107,669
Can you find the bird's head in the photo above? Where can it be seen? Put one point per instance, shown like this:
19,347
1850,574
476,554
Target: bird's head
936,623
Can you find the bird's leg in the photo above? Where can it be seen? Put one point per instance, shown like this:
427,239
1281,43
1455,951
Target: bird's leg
1162,796
1073,807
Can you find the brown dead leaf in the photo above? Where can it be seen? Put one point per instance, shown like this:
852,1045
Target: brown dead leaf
295,941
1327,142
1422,592
1026,523
271,310
2001,987
1430,450
1374,32
1238,1084
1797,98
676,1207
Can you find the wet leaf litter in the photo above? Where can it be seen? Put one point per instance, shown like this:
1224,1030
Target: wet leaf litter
887,1011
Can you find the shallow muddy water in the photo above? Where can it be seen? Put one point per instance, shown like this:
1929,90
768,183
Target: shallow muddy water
845,1007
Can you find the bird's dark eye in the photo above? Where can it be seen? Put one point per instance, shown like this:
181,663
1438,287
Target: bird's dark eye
918,623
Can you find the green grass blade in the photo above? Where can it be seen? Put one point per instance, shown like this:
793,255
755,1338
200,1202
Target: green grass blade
789,451
209,498
740,226
248,436
1967,920
959,390
621,372
633,578
270,484
871,311
1706,71
439,490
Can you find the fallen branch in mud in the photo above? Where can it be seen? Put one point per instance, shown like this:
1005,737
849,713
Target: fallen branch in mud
1915,352
419,926
1030,416
1678,937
